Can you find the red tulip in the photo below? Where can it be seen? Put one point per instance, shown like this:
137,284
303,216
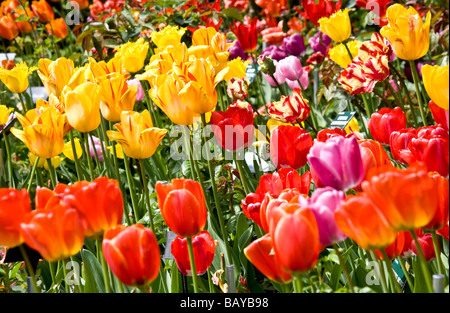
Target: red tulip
394,249
440,218
204,249
386,121
431,147
182,205
426,243
260,254
399,141
246,34
132,254
296,241
444,231
440,115
327,133
373,156
289,146
274,184
315,10
234,129
14,209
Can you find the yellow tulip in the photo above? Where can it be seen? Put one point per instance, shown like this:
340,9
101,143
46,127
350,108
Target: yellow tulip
16,79
338,26
352,126
119,151
81,75
133,54
166,97
136,134
168,36
55,74
339,53
54,103
43,131
5,112
83,106
199,93
116,96
101,69
406,32
68,151
435,80
235,68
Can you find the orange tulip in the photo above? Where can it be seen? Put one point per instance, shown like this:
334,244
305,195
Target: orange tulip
100,202
132,254
56,231
296,241
259,253
440,218
406,198
43,10
14,207
359,219
394,249
8,28
182,205
58,28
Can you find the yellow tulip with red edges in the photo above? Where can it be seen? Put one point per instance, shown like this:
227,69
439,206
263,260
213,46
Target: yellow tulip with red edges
338,26
408,35
199,94
136,134
101,69
55,74
16,79
83,106
43,131
435,80
116,96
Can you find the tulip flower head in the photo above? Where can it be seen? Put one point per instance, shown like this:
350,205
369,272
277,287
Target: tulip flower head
16,79
315,10
5,113
132,254
408,35
133,55
246,34
290,109
337,26
435,80
386,121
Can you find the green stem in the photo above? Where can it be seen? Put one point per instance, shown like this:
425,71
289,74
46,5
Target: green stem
415,75
391,273
24,103
381,272
192,261
145,187
131,187
52,171
437,251
104,266
12,183
298,284
29,268
215,194
258,82
405,271
88,155
102,134
33,171
344,267
75,157
241,173
65,276
408,96
423,262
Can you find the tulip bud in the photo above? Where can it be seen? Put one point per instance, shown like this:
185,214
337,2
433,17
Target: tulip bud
237,88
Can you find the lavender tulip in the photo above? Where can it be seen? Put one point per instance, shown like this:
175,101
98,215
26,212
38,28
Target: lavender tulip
324,202
277,53
336,163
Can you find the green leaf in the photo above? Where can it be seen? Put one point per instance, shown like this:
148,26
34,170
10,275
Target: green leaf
93,269
233,13
420,285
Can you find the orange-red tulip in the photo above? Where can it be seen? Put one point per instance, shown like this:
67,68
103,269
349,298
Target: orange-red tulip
406,198
204,249
373,156
440,218
394,249
43,10
100,202
359,219
58,28
132,254
56,232
8,28
260,254
182,205
14,207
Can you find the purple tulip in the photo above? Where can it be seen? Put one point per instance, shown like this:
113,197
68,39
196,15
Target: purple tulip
320,42
140,92
324,202
294,45
277,53
236,51
336,163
